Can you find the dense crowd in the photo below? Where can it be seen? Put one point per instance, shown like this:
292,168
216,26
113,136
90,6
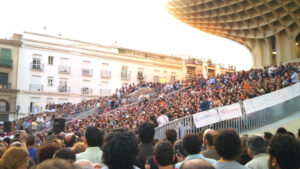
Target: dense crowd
121,98
198,95
122,136
124,148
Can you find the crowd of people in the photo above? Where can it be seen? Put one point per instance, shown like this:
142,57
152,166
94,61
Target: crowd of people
38,122
124,148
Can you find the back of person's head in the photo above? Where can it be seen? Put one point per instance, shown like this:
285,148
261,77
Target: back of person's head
30,140
56,164
79,147
208,139
94,137
171,135
192,143
16,144
146,132
281,130
267,136
70,140
228,144
65,154
163,111
84,164
196,164
120,149
257,145
163,153
178,149
46,151
284,152
13,158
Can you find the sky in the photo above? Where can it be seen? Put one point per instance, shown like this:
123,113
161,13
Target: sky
137,24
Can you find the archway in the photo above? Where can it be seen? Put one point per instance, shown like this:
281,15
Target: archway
4,106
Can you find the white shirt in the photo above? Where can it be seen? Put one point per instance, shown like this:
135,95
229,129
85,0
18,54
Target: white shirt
163,119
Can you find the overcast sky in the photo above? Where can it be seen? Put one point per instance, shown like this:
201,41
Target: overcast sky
138,24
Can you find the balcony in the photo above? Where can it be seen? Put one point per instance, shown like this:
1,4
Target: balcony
5,86
64,89
37,67
35,88
87,72
105,74
64,69
105,92
87,91
5,62
125,76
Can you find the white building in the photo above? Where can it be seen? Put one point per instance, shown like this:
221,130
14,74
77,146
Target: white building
58,70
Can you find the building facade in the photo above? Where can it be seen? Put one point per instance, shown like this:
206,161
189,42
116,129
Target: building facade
59,70
38,69
9,54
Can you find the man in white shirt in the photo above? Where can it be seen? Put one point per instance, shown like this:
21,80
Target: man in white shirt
163,118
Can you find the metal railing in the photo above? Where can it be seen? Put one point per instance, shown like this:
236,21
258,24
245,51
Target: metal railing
242,124
64,69
125,76
105,92
86,90
5,86
35,87
105,74
87,72
63,89
39,67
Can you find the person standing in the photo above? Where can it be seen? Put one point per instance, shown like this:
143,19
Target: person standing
163,118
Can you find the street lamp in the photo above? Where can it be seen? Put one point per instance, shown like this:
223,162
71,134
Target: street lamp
17,110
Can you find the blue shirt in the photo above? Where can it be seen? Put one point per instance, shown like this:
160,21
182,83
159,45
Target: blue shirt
205,105
195,156
32,154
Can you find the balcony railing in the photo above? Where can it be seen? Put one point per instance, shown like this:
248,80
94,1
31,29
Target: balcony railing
64,89
35,87
5,62
38,67
125,76
87,72
86,90
5,86
105,92
105,74
64,69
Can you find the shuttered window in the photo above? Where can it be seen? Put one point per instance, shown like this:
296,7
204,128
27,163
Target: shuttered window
5,56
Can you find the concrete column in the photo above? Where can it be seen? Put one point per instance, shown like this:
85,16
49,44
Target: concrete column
284,47
267,52
257,54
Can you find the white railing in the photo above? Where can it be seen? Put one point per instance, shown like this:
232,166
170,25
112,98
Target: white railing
105,74
35,87
87,72
244,116
64,69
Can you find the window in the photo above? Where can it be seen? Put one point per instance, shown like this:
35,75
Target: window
36,63
50,81
5,58
50,60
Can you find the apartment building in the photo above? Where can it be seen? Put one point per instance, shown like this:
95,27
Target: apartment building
9,52
53,69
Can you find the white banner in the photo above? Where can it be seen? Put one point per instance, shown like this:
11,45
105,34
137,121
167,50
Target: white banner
271,99
206,118
230,111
